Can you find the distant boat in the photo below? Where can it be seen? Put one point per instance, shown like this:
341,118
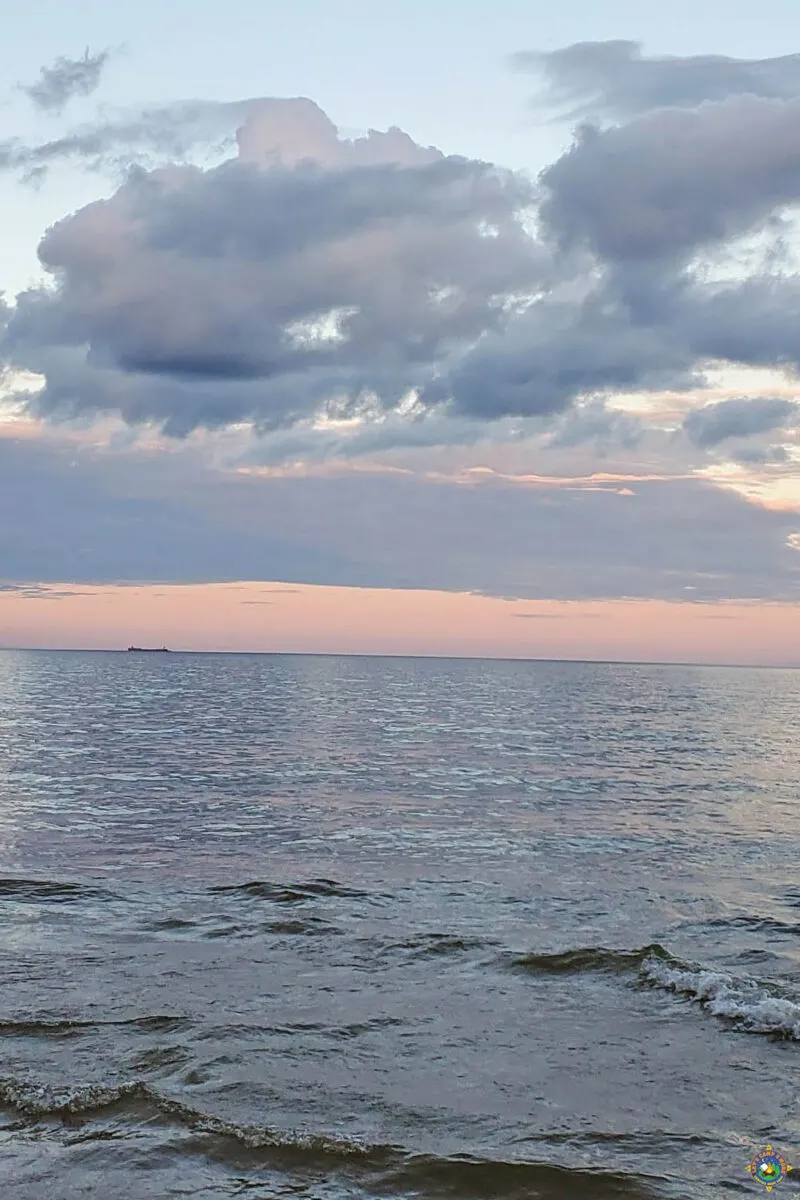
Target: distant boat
148,650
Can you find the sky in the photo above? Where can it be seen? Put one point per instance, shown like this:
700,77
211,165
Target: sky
429,329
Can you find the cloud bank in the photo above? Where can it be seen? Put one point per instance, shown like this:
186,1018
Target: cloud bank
103,517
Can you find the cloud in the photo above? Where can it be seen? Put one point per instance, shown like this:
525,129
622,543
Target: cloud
268,131
756,456
425,429
670,182
558,351
164,132
264,290
614,80
36,591
65,79
594,422
354,296
289,132
101,517
92,518
310,442
553,616
345,296
738,418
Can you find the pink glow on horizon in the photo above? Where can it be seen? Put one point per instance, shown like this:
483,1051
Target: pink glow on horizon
293,618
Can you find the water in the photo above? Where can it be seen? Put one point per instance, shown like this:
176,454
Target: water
329,927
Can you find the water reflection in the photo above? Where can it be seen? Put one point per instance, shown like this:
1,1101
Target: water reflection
541,918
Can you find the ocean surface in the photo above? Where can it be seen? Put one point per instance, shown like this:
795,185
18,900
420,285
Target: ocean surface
277,926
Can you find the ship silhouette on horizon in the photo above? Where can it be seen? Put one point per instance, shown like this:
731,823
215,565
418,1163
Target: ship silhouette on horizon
148,650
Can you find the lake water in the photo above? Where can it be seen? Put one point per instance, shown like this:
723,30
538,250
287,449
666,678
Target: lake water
323,927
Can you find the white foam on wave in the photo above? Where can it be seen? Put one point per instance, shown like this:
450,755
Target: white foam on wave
746,1001
39,1101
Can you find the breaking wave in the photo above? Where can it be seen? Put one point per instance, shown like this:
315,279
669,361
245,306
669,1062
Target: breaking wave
386,1169
754,1006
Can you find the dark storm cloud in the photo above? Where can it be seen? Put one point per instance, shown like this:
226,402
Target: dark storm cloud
614,80
90,517
65,79
739,418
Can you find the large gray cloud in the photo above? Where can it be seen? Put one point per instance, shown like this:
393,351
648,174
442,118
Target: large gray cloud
614,80
65,79
200,289
199,297
95,517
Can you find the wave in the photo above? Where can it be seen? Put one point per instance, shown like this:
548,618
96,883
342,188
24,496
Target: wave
47,891
335,1032
307,927
757,924
424,944
752,1005
386,1169
295,925
590,958
65,1027
291,894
